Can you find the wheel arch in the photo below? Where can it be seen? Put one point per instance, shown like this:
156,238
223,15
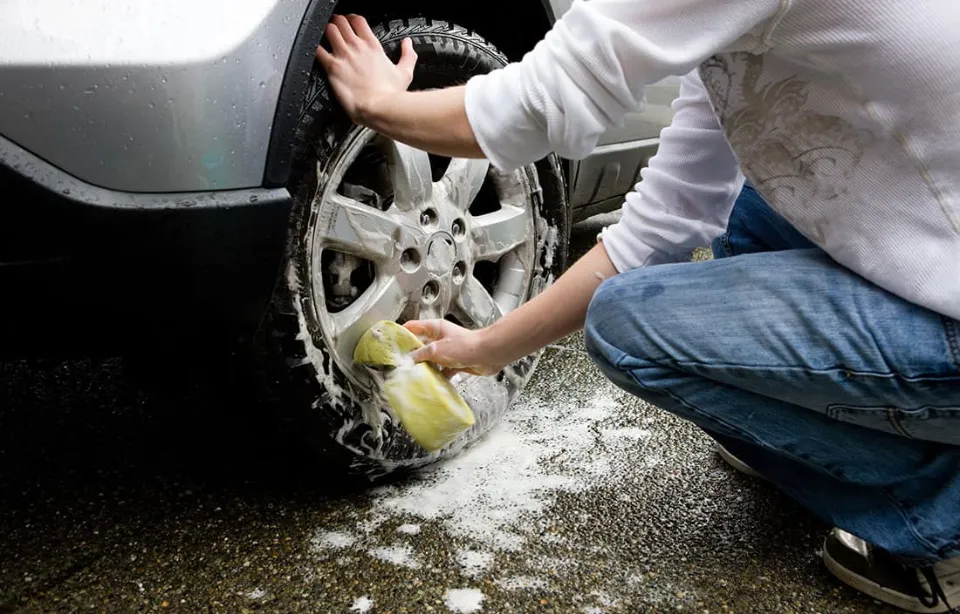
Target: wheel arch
529,22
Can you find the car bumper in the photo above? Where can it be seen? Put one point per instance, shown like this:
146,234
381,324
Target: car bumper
84,268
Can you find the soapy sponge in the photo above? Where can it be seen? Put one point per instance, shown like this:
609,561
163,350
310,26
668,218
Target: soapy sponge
425,402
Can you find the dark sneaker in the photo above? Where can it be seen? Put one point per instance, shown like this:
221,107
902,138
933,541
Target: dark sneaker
736,463
876,573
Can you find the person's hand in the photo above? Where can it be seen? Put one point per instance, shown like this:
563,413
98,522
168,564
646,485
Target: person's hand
453,348
358,68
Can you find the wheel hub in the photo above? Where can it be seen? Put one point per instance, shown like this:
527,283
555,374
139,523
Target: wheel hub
441,254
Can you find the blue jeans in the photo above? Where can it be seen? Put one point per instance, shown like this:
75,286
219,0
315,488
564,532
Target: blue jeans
844,396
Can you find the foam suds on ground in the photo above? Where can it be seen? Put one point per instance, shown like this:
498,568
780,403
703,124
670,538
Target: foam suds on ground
494,498
490,491
332,540
398,555
463,600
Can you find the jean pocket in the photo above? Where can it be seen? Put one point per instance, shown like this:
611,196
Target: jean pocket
929,423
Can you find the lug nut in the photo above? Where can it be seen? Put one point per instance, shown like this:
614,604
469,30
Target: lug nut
458,228
430,291
459,272
410,260
428,217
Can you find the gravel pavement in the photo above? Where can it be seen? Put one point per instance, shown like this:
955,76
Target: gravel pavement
122,498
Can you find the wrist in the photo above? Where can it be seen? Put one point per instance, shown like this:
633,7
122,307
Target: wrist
373,111
491,343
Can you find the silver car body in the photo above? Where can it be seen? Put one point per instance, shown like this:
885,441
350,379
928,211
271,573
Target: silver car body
149,97
146,96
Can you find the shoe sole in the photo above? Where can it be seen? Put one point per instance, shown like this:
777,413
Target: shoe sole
872,589
737,464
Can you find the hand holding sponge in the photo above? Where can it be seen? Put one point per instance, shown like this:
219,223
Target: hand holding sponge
425,402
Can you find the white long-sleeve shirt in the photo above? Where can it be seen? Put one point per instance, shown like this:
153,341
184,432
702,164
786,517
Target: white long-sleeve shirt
843,114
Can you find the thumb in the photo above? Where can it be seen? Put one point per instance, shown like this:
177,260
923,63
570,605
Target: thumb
408,57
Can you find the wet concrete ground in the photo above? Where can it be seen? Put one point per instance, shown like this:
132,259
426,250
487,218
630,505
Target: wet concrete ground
120,498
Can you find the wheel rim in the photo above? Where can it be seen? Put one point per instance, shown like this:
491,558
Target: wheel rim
398,235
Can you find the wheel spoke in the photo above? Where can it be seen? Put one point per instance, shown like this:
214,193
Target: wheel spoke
511,284
475,305
385,300
410,173
463,180
354,228
500,232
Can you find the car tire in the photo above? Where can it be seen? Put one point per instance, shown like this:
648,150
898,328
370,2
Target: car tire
331,407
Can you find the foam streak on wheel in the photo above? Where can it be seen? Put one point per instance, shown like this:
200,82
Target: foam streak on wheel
381,230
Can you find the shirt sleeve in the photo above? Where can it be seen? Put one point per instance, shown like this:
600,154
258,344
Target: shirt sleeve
687,190
591,69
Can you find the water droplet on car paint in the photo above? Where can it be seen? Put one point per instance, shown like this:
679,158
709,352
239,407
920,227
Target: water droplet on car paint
262,84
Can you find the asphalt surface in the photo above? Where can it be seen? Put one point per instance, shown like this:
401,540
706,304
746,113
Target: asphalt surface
118,496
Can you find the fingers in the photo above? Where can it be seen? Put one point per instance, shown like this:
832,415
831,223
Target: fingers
408,57
448,373
426,329
341,35
344,35
337,43
346,30
427,353
325,58
362,28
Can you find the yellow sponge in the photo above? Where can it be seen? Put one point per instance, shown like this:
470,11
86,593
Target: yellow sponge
426,403
385,344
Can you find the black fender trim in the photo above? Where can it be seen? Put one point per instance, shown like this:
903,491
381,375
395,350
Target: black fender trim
293,90
89,269
67,188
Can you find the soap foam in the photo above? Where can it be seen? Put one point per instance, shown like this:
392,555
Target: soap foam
537,451
464,600
397,555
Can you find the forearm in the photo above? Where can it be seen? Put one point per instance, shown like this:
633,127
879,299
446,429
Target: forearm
552,315
431,120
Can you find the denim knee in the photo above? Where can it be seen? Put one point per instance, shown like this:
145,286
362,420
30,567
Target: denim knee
608,326
596,328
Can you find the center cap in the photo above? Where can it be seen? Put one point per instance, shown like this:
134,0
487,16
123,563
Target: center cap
441,254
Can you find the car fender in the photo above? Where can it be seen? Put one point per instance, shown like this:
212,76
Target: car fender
174,96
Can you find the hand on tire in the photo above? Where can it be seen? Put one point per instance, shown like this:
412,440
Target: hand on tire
453,348
359,71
